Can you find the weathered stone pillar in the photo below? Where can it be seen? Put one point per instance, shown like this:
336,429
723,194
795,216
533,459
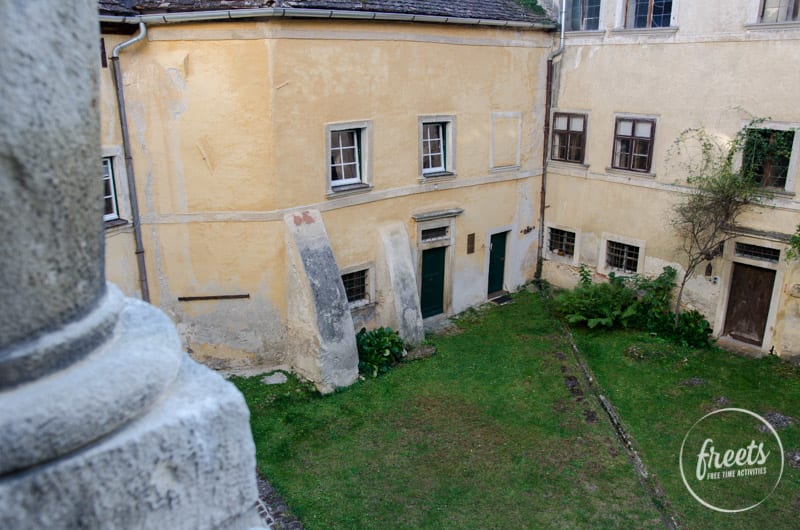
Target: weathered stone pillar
104,421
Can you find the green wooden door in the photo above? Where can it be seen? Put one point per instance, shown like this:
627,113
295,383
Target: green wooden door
497,262
432,296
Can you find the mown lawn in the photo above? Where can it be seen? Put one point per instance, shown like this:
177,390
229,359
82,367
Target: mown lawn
660,390
494,431
490,432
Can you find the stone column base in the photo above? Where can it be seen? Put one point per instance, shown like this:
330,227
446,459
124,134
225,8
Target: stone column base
187,462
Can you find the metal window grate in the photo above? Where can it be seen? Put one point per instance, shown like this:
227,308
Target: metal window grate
755,252
432,234
562,242
622,256
355,285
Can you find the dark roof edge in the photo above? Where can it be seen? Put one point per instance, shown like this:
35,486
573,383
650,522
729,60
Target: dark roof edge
232,14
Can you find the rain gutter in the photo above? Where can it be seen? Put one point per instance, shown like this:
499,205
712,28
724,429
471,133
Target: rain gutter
234,14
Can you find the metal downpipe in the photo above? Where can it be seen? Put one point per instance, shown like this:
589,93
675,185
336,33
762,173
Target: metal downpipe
126,147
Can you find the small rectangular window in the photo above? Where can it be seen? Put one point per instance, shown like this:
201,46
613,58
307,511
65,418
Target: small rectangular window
621,256
433,147
562,242
648,13
766,156
756,252
582,15
433,234
569,137
111,211
776,11
345,157
356,287
633,144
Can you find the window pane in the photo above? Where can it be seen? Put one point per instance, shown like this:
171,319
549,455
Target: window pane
643,129
662,10
592,15
436,162
560,146
561,122
625,128
576,124
640,14
348,156
576,149
622,153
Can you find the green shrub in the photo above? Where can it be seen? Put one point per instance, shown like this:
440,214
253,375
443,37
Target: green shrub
634,301
608,305
693,329
378,350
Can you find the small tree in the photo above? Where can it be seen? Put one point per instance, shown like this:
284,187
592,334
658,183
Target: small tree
725,177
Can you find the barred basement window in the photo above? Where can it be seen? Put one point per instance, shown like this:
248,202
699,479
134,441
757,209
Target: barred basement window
622,256
355,286
755,252
562,242
432,234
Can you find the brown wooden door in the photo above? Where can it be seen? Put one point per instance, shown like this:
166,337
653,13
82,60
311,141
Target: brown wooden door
748,303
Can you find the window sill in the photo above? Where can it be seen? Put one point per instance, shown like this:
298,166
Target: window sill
115,223
567,164
585,33
780,192
645,31
500,169
771,26
630,173
348,189
361,305
437,176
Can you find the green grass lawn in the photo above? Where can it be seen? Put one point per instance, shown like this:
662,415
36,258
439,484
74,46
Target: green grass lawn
660,390
491,432
484,434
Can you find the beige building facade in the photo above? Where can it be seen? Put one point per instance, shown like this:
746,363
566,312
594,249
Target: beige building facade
300,176
633,76
275,154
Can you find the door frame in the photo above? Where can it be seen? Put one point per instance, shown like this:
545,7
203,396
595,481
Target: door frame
730,257
487,259
444,219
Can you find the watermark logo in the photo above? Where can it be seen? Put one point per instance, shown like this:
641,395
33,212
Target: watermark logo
731,460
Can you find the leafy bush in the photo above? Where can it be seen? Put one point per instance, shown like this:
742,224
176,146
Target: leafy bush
378,350
598,304
634,301
693,329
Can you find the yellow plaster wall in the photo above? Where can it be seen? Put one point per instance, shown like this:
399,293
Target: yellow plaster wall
228,130
695,79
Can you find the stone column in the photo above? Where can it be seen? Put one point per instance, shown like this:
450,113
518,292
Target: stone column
104,421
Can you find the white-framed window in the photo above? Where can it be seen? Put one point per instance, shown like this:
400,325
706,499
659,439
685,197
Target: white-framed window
771,154
633,144
643,14
348,148
582,15
358,285
777,11
436,146
621,255
111,211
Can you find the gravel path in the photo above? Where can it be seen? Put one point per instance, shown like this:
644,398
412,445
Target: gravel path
272,508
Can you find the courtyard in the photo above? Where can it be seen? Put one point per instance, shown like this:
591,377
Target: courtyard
507,425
